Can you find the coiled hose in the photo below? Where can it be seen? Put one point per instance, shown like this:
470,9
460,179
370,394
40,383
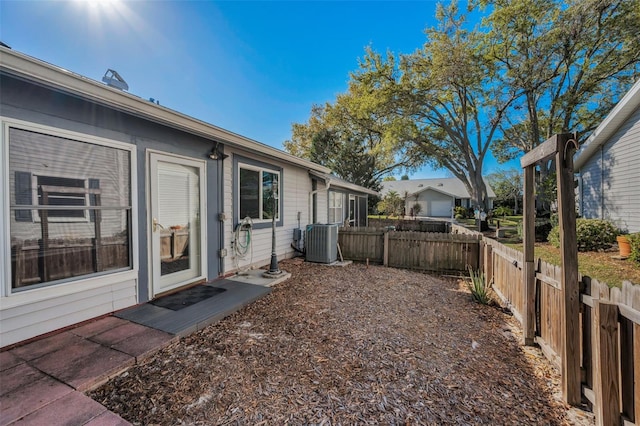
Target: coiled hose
242,242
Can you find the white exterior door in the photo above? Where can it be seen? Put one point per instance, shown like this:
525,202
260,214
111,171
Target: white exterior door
177,218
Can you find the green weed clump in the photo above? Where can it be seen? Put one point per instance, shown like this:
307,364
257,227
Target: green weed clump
479,287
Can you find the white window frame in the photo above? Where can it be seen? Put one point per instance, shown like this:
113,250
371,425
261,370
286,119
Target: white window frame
260,171
10,298
334,197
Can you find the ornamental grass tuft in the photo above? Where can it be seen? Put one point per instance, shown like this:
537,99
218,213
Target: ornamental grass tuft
479,287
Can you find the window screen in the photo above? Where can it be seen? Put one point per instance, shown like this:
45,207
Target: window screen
70,204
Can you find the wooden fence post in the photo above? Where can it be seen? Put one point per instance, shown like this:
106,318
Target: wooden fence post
570,318
488,263
528,270
385,249
606,386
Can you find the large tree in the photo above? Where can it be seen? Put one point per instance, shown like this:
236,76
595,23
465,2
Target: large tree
507,185
443,103
570,61
534,68
351,144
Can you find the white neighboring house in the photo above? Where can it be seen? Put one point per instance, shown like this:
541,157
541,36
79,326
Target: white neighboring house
608,166
109,200
437,197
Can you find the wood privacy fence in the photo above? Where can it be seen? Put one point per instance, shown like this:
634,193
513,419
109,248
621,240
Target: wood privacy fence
426,251
65,258
608,330
608,327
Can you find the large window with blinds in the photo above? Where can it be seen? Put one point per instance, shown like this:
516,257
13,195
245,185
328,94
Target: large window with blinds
70,205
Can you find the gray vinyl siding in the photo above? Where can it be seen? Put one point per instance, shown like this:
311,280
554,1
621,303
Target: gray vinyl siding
41,310
611,179
294,198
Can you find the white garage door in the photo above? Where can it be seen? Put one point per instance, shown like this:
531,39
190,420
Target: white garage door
441,208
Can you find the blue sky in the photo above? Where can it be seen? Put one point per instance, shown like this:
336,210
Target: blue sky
250,67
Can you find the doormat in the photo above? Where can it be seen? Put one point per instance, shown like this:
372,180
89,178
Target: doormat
188,297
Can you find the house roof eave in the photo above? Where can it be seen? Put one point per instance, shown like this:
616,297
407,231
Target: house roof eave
611,123
32,69
334,181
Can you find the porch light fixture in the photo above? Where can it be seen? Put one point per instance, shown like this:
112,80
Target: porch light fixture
215,153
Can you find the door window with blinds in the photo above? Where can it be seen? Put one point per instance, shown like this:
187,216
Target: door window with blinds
70,204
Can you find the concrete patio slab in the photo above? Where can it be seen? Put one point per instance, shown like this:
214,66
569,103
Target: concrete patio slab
36,349
118,334
84,365
18,377
41,382
30,398
8,360
98,326
73,408
254,276
197,316
145,344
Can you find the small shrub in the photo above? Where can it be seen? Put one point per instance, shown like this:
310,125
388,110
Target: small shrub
417,209
634,241
542,229
478,287
460,211
502,211
591,234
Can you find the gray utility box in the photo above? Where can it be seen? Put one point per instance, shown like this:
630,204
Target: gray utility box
321,243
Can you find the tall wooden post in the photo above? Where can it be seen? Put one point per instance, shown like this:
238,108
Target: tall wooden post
561,147
569,254
529,272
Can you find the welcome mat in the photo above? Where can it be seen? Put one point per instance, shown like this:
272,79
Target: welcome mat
188,297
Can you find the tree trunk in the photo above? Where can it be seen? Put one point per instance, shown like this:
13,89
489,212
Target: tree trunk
479,192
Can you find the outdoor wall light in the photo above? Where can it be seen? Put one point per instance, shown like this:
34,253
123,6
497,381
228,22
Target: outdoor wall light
216,155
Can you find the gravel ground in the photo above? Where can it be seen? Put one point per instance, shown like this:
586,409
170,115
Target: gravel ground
352,345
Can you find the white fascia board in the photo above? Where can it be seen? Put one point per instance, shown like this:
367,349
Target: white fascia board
36,70
437,190
353,187
618,115
331,181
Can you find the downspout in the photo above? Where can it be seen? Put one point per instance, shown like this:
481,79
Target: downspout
220,170
311,206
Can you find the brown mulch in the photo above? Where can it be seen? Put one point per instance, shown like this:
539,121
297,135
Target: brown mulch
352,345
